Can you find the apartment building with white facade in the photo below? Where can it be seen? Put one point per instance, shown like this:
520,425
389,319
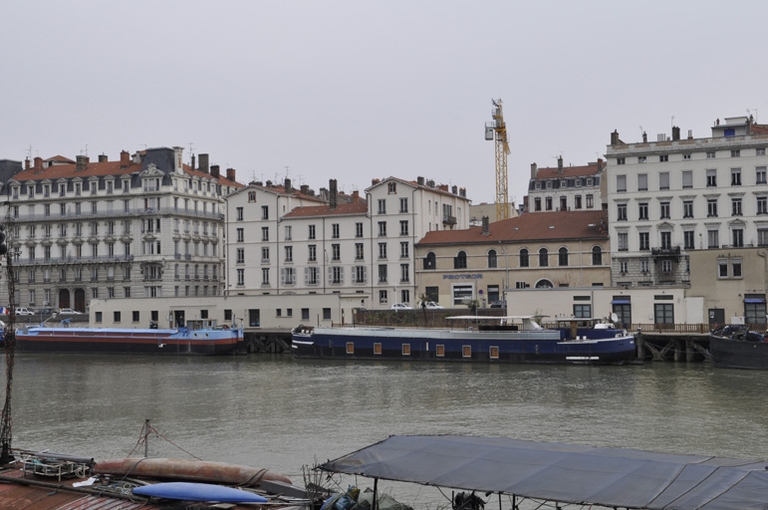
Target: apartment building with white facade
566,188
146,225
671,197
286,241
254,240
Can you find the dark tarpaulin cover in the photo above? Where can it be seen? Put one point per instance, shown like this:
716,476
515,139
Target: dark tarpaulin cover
564,472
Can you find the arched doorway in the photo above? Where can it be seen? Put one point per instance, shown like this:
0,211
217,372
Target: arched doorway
80,300
64,299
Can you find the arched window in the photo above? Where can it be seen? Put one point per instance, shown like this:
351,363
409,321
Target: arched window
460,262
597,256
429,261
492,258
562,256
524,258
544,284
543,257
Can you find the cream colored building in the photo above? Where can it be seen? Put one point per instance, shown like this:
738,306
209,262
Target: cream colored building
545,250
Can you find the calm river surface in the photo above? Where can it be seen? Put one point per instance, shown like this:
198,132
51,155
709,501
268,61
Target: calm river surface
278,413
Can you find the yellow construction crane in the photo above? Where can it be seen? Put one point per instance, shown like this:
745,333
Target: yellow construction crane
497,131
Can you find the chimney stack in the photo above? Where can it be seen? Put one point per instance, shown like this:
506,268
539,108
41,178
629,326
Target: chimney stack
675,133
82,162
420,181
599,164
332,194
38,164
125,158
615,137
214,170
355,196
645,137
305,189
560,165
231,174
26,164
534,169
203,163
193,162
485,226
103,158
287,185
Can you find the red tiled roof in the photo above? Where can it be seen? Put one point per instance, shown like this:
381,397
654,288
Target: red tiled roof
540,226
68,170
360,207
568,171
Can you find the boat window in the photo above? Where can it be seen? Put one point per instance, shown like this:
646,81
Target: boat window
350,348
466,351
377,348
440,351
494,352
406,349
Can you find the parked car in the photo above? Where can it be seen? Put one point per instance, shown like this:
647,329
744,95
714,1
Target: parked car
45,312
498,304
69,311
401,306
431,305
24,311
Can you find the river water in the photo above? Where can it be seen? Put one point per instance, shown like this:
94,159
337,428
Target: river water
278,413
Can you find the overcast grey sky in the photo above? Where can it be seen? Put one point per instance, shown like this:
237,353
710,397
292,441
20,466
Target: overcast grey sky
356,90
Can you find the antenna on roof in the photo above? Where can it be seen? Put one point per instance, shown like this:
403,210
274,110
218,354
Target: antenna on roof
29,153
191,149
287,170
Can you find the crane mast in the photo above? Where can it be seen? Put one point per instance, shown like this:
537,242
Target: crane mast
497,131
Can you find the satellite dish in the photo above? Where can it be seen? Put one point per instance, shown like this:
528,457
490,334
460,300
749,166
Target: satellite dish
614,317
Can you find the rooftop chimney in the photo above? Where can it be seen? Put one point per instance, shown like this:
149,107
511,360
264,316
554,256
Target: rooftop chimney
203,163
615,137
103,158
193,162
645,137
355,196
38,164
534,169
599,164
305,189
333,194
231,174
420,180
559,165
178,163
455,189
287,185
485,226
125,158
26,164
675,133
82,162
215,171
